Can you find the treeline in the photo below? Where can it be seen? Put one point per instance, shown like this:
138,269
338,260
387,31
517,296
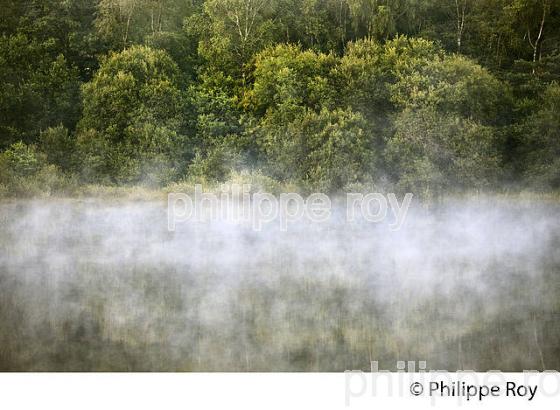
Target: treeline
426,96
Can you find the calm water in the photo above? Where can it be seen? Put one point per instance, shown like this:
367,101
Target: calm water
94,285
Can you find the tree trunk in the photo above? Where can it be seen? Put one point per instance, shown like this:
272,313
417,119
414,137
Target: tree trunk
460,10
536,45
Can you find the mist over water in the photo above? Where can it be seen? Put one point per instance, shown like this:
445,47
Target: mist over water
103,285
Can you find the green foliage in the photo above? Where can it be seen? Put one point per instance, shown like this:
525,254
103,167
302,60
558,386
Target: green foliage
22,159
542,142
431,152
217,113
454,84
216,164
286,76
363,76
132,114
327,150
323,93
368,70
25,172
373,19
181,48
234,30
38,90
138,83
122,23
148,156
59,147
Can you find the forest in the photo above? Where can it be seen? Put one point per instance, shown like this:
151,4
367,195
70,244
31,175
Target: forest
425,96
108,105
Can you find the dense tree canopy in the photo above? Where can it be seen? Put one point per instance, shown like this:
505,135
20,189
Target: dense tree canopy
426,95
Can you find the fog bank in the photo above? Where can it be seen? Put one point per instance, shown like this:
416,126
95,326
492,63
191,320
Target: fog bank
100,285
